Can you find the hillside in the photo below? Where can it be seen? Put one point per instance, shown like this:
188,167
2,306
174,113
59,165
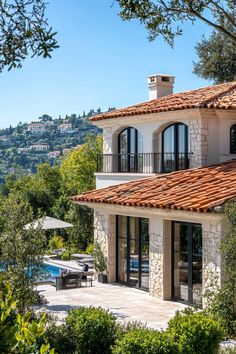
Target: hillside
47,139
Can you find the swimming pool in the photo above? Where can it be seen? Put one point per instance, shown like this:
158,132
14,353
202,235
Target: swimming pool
50,272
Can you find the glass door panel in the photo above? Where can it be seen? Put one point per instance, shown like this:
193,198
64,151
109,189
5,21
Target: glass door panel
133,150
182,146
122,247
181,262
134,252
123,151
175,142
144,241
130,146
169,149
187,262
197,263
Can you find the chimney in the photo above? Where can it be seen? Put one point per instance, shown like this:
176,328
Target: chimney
160,85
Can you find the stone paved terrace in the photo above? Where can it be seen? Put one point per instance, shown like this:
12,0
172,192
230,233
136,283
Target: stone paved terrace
128,304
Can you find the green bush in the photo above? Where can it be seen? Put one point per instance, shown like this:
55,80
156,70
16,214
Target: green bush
94,330
146,341
222,308
195,332
56,242
61,338
65,256
90,249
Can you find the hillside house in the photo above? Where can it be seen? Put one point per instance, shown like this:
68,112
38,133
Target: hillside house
166,170
37,127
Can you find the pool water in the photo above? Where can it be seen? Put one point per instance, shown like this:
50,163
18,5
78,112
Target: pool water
50,272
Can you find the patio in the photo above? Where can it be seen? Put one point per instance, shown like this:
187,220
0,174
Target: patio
128,304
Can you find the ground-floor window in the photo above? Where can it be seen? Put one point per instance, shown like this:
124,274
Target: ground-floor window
186,262
132,251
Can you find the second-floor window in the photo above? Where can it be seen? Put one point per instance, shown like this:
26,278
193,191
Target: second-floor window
130,147
175,147
233,139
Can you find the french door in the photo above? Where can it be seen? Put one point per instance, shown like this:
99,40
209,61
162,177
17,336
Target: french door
175,146
129,150
186,262
132,251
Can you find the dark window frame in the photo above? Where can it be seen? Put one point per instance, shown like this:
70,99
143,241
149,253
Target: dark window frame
176,145
128,233
136,133
233,139
190,260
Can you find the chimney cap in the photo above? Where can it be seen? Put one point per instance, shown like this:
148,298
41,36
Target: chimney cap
161,75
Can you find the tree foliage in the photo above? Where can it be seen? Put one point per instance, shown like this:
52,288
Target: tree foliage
165,17
21,249
78,168
24,32
50,190
223,302
217,58
18,333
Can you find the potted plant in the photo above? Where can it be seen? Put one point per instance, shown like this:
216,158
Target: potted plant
99,263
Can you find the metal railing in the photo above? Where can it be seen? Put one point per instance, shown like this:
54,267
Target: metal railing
142,162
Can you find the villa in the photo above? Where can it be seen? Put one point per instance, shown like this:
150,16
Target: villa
166,170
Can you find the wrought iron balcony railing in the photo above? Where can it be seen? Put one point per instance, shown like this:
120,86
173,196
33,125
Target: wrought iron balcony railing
143,162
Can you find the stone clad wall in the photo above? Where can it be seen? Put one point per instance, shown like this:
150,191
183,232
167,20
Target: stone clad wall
198,142
156,257
101,221
104,235
212,272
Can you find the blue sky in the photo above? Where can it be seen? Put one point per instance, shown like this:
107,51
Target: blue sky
102,61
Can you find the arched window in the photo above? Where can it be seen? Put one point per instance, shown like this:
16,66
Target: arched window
233,139
130,147
175,147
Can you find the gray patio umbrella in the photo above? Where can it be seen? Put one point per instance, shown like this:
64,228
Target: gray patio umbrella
48,223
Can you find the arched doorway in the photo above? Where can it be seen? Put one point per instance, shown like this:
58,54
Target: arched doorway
130,147
175,147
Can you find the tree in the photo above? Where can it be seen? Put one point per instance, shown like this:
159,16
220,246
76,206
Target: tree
21,249
78,167
77,171
24,32
164,17
45,118
217,59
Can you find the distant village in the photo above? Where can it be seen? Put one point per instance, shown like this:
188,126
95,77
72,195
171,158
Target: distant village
46,139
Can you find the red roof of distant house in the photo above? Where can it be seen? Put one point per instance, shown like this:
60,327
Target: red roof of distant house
197,189
221,96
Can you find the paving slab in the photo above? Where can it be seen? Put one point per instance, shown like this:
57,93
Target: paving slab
128,304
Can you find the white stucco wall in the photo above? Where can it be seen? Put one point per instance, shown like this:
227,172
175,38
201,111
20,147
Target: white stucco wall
209,136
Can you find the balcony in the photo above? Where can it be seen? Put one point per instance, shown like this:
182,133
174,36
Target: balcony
142,162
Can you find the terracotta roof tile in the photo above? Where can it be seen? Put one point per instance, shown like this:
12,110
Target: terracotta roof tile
221,96
198,189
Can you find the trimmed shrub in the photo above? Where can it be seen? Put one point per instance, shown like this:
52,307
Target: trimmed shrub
195,332
90,249
146,341
56,242
61,338
65,256
94,330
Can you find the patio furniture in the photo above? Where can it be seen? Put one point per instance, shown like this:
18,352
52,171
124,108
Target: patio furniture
71,280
